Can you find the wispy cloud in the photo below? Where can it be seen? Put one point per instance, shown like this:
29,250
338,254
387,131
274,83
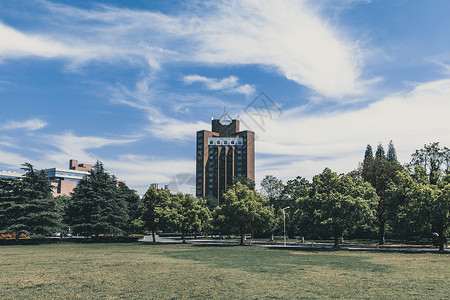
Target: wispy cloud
289,36
229,84
338,139
32,125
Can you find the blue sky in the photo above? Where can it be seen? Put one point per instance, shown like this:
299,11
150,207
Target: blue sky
130,82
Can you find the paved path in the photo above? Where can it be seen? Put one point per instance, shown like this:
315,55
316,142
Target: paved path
305,246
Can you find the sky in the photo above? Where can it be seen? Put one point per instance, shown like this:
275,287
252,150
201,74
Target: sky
130,82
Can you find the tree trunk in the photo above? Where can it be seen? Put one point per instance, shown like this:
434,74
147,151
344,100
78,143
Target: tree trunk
272,236
153,236
441,240
336,242
183,237
242,236
382,233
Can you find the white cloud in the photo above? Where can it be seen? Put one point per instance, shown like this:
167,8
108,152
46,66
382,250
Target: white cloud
288,36
32,125
305,144
174,129
70,146
229,84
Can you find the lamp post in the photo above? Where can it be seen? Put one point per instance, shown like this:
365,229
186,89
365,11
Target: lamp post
284,221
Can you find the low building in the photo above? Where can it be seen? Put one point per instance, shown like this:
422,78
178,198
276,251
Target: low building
65,180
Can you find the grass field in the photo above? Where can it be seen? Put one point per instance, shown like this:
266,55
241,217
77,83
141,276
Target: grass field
135,271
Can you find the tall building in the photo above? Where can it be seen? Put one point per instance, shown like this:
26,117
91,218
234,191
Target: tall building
223,153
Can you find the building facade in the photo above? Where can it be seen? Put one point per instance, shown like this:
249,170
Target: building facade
223,153
64,181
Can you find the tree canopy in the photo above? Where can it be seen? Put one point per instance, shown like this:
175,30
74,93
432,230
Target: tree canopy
244,209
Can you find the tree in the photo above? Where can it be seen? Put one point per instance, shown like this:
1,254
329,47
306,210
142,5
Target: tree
407,206
294,189
338,204
419,208
379,172
10,201
432,158
27,205
380,151
245,181
154,204
440,212
272,188
244,209
187,214
133,205
96,206
368,155
392,153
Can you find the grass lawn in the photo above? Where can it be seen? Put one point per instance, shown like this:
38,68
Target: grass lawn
136,271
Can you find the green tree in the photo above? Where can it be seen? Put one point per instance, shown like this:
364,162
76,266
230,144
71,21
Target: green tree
96,206
245,181
440,211
154,204
379,172
392,153
338,204
10,203
187,214
272,188
419,208
294,189
368,155
433,159
380,151
407,203
134,204
244,209
27,205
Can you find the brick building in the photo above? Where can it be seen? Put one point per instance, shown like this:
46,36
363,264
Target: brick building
223,153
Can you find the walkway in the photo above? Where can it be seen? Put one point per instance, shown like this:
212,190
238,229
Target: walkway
304,246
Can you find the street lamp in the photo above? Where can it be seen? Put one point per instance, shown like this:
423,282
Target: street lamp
284,221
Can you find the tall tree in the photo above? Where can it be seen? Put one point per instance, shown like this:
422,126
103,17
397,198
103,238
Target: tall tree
368,155
10,203
28,205
294,189
96,206
420,207
392,153
133,205
272,188
187,214
432,158
379,172
338,204
154,204
380,151
244,209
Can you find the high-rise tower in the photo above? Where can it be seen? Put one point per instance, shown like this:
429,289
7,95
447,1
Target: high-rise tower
223,153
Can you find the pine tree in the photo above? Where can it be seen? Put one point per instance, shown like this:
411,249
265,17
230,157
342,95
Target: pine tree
391,154
27,205
368,155
96,206
380,151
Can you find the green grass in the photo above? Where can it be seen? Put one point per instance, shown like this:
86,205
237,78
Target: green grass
135,271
